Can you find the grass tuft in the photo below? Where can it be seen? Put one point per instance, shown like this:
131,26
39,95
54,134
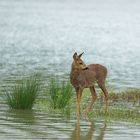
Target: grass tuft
24,93
60,93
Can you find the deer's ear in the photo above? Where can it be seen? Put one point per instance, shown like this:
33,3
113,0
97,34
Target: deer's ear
75,55
81,54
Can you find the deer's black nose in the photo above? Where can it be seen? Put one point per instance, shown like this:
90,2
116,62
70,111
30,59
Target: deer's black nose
85,68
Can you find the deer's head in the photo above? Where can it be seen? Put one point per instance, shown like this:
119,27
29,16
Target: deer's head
78,63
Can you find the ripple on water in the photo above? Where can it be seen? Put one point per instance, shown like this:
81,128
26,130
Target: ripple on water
43,35
24,124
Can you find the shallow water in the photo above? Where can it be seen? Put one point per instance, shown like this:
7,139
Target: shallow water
42,35
41,125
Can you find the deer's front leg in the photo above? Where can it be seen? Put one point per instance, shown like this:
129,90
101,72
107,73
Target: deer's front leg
79,95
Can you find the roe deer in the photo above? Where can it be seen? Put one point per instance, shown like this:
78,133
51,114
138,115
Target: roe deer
83,76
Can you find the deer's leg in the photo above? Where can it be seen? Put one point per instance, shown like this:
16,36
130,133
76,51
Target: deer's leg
94,97
79,94
102,86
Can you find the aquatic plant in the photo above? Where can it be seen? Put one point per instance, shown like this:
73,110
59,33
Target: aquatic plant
120,110
116,113
130,95
60,93
121,106
24,93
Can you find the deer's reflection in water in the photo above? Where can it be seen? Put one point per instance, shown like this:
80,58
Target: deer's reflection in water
89,132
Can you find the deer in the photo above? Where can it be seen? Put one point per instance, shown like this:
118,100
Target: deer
85,76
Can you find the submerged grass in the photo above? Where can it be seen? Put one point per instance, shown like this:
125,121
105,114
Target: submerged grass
128,95
24,93
60,93
121,109
123,106
116,113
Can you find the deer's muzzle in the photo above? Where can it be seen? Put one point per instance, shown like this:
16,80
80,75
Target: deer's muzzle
85,68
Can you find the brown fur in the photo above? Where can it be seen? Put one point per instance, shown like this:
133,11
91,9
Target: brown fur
83,76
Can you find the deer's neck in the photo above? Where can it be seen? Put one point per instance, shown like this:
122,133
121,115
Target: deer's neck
75,73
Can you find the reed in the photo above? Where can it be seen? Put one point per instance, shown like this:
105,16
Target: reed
24,93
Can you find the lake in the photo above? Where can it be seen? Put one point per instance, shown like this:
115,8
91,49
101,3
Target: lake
42,35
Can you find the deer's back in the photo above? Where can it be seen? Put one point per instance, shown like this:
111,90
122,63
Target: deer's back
100,71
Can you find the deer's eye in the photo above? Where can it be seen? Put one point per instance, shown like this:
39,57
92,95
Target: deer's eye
80,63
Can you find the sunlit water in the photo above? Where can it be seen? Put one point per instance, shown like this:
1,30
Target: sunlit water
42,35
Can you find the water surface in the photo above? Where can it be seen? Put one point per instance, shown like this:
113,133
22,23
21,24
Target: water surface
42,35
19,124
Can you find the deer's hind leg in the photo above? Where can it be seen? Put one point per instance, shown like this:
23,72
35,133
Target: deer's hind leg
103,87
94,97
